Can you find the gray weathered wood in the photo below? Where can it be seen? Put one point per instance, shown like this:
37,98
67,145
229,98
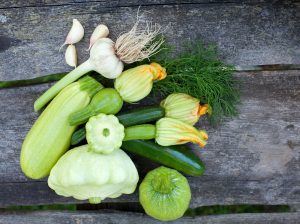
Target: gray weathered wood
122,218
125,3
252,159
258,33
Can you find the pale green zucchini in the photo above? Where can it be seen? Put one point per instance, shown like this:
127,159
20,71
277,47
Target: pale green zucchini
50,136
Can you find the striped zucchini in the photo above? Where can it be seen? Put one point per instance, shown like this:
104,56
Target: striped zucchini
50,136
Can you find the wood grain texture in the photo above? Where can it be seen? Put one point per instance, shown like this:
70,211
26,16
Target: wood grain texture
125,3
257,33
122,218
252,159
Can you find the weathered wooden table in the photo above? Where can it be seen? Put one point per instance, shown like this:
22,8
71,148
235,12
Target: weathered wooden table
252,159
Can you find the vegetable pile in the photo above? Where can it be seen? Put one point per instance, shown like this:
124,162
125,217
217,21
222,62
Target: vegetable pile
84,113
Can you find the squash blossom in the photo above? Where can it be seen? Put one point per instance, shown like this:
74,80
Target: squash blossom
183,107
170,131
136,83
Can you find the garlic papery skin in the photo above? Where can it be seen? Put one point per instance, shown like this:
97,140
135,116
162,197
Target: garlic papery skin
71,55
101,31
104,59
75,34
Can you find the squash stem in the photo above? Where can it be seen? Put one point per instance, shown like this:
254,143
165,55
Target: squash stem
33,81
94,200
140,132
66,80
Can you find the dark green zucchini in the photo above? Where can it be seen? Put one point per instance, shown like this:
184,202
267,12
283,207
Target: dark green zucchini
78,136
177,157
141,116
129,118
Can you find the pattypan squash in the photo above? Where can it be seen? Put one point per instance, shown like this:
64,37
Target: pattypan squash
84,174
104,133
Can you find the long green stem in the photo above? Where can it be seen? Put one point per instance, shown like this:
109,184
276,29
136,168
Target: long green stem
69,78
140,132
27,82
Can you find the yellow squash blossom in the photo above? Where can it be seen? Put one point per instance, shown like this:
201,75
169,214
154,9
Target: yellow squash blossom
183,107
170,131
136,83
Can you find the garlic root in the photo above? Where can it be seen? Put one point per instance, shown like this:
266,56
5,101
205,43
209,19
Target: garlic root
139,43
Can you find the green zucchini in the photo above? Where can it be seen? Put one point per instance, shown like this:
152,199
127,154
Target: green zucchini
78,136
107,101
141,116
50,136
177,157
129,118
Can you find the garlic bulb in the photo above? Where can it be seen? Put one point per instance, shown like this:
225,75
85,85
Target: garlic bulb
107,57
100,31
103,51
71,55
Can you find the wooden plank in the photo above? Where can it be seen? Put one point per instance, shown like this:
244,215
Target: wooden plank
43,3
121,217
257,33
252,159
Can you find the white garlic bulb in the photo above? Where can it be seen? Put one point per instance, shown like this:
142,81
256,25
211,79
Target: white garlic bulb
104,59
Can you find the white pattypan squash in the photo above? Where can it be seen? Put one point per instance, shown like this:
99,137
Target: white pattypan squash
83,174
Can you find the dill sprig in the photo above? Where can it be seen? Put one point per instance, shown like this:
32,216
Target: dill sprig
199,72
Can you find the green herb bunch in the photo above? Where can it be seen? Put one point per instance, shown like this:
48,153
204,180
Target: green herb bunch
198,72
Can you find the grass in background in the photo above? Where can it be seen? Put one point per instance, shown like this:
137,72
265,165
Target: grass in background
136,207
68,207
235,209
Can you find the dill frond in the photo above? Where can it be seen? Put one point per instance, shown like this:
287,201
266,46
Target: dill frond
199,72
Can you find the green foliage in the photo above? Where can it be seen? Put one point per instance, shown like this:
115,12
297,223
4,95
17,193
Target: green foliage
235,209
198,72
136,207
69,207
